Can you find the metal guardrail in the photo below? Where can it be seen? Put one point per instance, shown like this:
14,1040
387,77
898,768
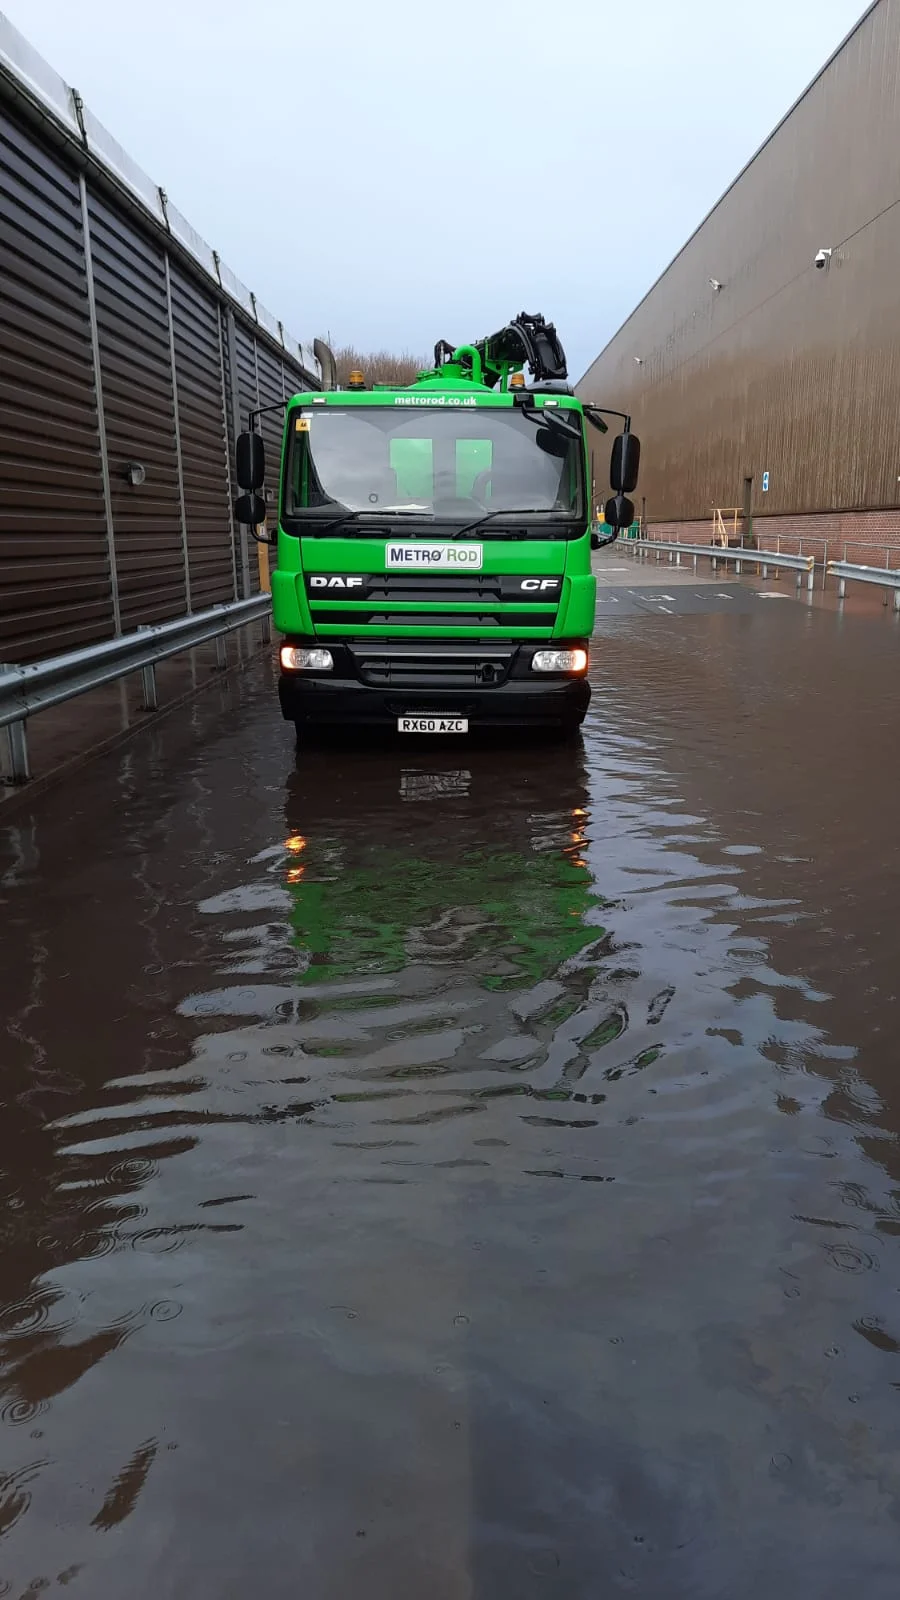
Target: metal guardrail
848,572
25,691
741,557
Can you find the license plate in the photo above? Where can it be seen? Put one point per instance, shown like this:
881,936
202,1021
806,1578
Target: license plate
432,724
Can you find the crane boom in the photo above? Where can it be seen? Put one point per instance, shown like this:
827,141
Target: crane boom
528,340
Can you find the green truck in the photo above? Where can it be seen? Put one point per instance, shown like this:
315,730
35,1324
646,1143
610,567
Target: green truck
433,569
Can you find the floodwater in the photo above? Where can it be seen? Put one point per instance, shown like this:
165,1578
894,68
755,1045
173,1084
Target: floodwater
466,1172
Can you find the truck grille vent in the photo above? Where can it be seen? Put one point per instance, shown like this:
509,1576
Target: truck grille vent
534,617
466,667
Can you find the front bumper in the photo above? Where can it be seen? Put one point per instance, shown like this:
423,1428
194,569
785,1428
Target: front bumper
518,697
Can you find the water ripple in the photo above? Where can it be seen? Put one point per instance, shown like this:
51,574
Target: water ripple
578,1063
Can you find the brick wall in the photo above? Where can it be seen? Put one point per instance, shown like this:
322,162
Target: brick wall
870,538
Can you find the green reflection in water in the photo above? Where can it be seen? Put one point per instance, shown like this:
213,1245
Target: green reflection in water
511,918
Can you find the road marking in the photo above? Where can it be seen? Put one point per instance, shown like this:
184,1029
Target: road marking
724,596
668,610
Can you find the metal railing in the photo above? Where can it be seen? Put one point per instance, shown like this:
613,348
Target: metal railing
821,554
887,578
802,541
25,691
741,557
798,539
848,572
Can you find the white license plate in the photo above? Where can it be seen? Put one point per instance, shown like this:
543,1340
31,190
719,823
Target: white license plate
432,724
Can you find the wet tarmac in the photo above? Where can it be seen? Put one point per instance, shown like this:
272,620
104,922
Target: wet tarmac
466,1172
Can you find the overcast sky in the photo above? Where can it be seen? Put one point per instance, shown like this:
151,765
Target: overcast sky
397,171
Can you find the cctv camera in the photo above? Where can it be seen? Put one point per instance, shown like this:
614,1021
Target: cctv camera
822,258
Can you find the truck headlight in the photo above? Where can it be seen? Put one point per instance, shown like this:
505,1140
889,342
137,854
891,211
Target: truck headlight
295,659
559,661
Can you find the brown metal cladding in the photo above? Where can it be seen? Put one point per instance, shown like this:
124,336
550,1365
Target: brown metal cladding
787,368
272,389
248,400
247,381
54,578
179,364
204,442
139,412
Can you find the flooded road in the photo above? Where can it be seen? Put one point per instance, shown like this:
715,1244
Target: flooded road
469,1172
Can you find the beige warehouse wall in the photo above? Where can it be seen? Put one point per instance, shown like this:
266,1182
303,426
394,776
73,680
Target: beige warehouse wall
786,369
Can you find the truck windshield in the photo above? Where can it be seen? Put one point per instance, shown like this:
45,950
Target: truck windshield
436,464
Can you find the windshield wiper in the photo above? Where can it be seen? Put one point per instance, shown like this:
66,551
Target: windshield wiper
414,512
382,512
529,511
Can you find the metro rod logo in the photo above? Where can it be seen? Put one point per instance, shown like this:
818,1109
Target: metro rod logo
434,400
452,557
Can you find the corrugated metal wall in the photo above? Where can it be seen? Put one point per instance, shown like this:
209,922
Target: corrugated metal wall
116,353
787,369
54,569
138,409
204,436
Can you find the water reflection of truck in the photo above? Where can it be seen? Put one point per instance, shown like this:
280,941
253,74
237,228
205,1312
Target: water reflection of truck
434,542
379,850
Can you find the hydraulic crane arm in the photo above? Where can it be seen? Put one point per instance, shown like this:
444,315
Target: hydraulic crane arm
526,341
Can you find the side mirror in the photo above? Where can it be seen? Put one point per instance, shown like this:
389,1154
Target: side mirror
626,459
250,458
596,542
618,511
250,508
595,419
552,442
564,423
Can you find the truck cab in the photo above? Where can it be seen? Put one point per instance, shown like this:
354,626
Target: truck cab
433,569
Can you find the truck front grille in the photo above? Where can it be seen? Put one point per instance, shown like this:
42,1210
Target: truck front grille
483,621
462,666
377,601
423,588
